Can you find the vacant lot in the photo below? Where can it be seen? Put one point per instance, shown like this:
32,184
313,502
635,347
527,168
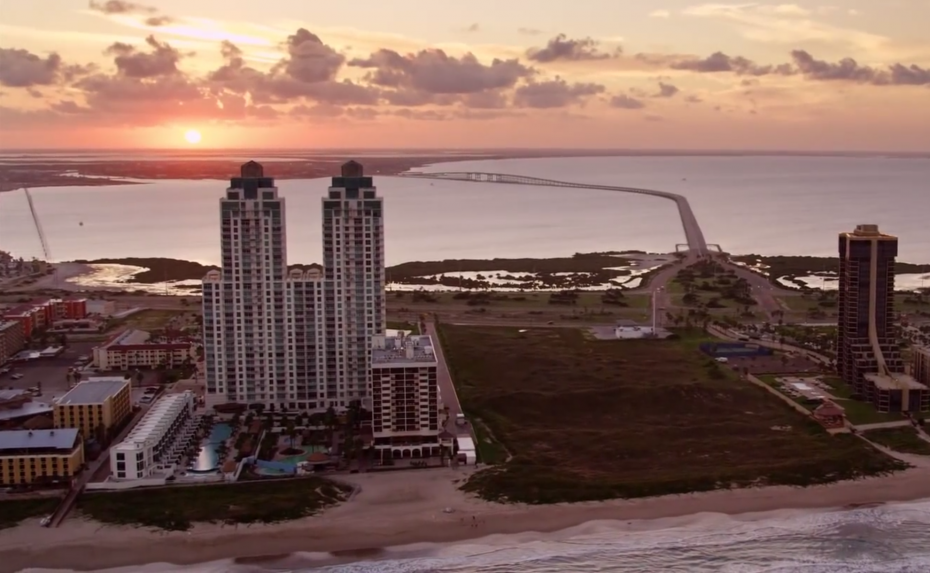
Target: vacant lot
13,511
152,319
901,439
588,419
178,508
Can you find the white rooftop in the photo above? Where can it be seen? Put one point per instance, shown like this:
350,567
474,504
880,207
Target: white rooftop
157,420
93,390
60,439
894,381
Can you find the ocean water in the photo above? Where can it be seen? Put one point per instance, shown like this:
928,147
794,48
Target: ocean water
765,205
892,538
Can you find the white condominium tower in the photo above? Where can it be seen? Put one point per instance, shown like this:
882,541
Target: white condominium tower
353,258
298,340
244,303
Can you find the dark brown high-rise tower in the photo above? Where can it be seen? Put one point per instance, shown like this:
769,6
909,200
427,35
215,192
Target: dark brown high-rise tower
868,358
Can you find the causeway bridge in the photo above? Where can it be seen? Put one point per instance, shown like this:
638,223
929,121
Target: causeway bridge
697,246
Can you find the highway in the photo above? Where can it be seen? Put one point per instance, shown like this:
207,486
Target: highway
697,246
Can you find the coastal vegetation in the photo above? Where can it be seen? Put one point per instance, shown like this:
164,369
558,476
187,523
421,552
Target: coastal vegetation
902,439
177,508
578,271
14,511
589,420
794,267
709,285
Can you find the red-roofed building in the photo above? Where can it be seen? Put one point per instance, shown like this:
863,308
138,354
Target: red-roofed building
830,415
132,349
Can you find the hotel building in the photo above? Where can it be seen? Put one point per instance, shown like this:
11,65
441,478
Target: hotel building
297,339
28,456
131,349
868,358
152,440
353,256
95,407
405,396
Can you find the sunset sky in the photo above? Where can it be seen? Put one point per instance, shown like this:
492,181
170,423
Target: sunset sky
631,74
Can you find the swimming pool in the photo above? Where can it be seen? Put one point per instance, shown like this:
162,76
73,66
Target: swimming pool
208,458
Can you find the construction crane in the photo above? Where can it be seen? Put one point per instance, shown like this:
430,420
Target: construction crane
35,219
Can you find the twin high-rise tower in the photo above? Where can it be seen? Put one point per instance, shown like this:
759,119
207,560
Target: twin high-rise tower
297,340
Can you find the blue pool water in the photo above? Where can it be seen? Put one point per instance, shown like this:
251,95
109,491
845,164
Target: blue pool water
208,460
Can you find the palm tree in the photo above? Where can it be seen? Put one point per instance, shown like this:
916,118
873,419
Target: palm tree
291,431
329,419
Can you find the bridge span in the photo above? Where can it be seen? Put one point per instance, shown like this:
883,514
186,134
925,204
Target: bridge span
693,234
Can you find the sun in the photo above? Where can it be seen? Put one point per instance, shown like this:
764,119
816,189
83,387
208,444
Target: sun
192,136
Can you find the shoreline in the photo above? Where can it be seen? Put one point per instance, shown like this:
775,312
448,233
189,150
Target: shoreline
394,511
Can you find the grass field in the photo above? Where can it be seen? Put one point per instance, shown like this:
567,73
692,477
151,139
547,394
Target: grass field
587,420
13,511
178,508
903,439
802,304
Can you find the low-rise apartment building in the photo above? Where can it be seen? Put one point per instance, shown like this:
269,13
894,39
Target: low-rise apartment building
43,313
132,349
12,339
95,407
152,439
405,397
37,456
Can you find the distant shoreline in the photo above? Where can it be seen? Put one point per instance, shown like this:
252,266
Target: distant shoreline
288,164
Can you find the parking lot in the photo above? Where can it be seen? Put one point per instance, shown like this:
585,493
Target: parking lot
51,373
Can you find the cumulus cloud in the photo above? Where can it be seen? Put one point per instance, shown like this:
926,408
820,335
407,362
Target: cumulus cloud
554,93
720,62
529,31
435,72
803,63
156,21
666,90
162,60
623,101
562,48
22,69
110,7
660,14
309,59
849,70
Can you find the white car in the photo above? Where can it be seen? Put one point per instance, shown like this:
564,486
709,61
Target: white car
17,376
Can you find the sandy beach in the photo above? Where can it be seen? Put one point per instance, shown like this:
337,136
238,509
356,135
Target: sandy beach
404,508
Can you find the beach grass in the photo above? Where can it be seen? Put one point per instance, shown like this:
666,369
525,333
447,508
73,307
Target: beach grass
14,511
588,420
177,508
901,439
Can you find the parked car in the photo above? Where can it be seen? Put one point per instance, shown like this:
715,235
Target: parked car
17,376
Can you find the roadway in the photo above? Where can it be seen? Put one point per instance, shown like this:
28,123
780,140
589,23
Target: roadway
447,393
